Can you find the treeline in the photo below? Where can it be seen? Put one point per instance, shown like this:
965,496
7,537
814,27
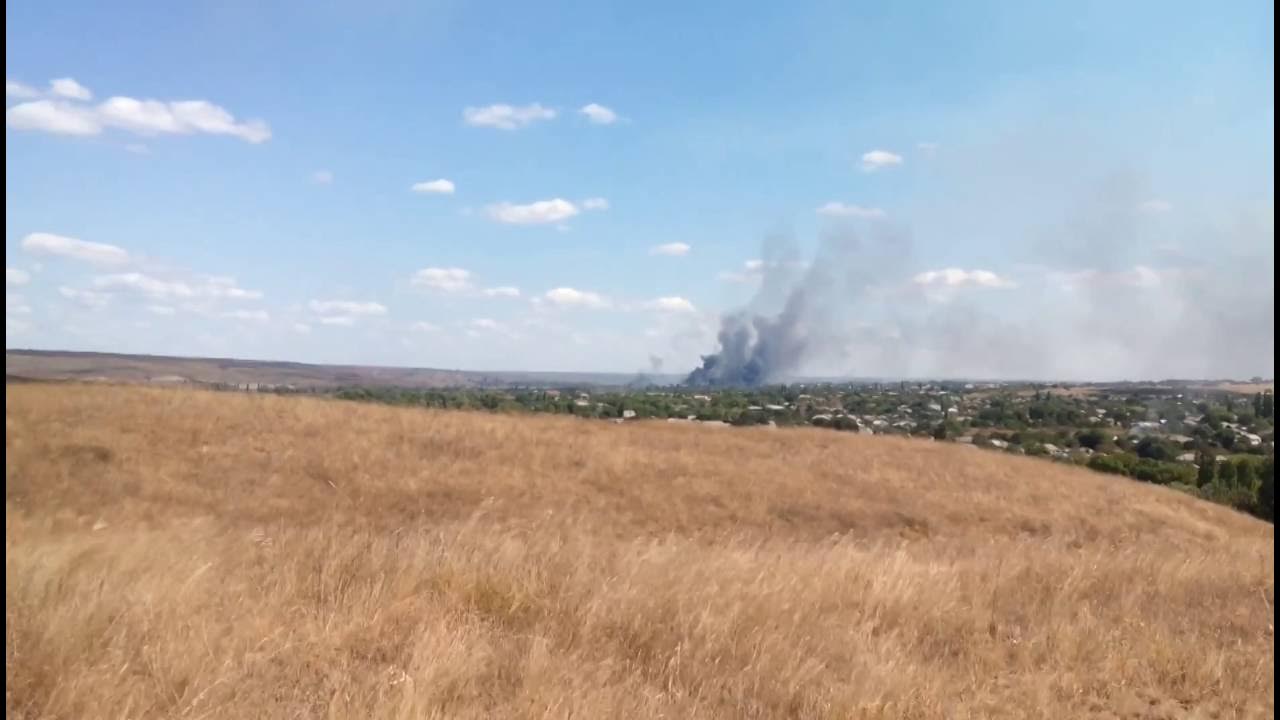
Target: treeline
1246,483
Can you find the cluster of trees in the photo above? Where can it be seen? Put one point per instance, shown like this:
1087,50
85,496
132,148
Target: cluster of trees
1244,482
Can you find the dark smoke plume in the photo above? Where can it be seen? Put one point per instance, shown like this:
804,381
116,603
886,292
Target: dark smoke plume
755,349
757,346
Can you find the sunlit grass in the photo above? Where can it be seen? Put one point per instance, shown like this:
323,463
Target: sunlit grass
182,554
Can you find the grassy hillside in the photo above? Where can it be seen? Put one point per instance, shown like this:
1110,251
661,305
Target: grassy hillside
173,553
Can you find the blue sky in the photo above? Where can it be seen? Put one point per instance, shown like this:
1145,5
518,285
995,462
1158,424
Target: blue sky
1092,181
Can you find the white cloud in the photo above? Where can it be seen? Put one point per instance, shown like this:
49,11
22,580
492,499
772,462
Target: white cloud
14,276
345,313
257,316
426,327
839,209
183,117
877,159
595,204
1155,207
956,277
451,280
15,89
90,252
301,328
671,304
59,118
70,89
599,114
751,271
569,297
215,287
138,149
143,117
322,177
675,249
479,327
541,212
503,291
16,305
506,117
439,187
161,310
85,298
346,307
225,287
15,325
144,284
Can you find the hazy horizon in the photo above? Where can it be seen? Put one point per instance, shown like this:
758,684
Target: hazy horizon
675,378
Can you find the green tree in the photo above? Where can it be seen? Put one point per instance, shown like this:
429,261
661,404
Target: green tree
1267,490
1154,448
1092,439
1227,474
1113,464
1204,476
1244,473
1226,438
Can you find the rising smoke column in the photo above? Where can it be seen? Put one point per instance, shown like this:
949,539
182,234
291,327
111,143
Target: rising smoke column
817,302
755,349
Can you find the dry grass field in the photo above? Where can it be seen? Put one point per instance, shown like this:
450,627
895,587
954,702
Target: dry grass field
179,554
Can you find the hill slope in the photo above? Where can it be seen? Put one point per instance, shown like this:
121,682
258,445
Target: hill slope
175,553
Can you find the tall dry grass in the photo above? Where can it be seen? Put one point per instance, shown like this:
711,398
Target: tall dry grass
182,554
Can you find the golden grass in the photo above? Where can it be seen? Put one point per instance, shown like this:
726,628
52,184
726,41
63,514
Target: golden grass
182,554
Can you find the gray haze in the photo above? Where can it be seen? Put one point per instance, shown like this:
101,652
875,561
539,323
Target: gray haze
1091,297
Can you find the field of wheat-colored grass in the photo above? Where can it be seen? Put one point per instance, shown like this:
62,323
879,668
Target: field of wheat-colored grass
180,554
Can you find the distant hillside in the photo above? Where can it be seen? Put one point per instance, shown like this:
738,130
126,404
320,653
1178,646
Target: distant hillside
61,365
175,553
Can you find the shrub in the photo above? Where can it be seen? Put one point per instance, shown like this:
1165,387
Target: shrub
1114,464
1267,490
1156,449
1092,439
